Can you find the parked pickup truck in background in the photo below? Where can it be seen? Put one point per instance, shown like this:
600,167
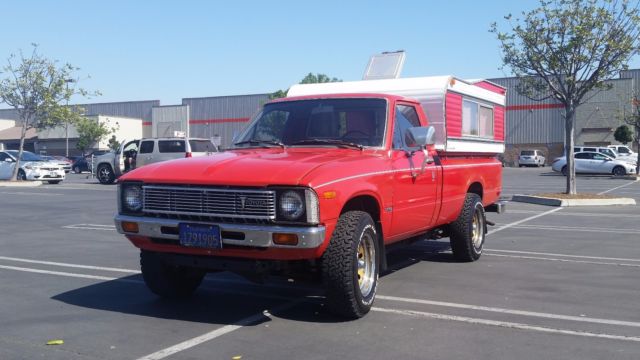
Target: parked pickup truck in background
136,153
320,184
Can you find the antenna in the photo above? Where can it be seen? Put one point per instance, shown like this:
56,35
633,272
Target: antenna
387,65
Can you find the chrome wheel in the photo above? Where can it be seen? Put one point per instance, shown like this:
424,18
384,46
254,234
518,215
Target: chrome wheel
366,263
477,229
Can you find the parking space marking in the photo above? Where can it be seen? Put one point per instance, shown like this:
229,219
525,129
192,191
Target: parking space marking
563,260
30,193
562,255
66,274
618,187
585,214
251,320
575,228
515,223
90,267
506,324
535,314
90,227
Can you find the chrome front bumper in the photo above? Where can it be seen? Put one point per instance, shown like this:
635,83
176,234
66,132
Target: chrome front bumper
254,235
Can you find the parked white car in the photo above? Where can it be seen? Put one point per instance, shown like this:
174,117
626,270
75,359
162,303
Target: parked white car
531,158
590,162
32,167
624,153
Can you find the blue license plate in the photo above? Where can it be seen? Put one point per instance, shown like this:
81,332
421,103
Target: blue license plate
200,236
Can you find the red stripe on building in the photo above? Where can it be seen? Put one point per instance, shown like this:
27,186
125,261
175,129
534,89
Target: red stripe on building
534,107
219,121
146,123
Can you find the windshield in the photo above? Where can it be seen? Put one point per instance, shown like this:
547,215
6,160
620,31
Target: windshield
527,152
325,122
202,146
26,156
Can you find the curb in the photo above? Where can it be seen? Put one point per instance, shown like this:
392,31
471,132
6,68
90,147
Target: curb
572,202
20,183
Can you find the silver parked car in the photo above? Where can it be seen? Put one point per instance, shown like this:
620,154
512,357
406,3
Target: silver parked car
589,162
137,153
531,158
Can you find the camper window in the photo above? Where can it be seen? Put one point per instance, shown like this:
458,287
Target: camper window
477,119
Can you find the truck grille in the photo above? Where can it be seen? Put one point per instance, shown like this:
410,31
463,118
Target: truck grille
210,202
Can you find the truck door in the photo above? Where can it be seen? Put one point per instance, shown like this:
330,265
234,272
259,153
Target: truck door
145,154
415,180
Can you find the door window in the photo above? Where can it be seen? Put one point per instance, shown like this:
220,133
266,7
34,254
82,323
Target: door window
146,147
406,117
584,156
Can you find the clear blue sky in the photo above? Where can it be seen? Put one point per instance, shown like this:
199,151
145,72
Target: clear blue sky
168,50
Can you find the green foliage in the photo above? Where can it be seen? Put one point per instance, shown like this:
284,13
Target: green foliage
37,88
90,131
114,144
564,49
309,79
623,134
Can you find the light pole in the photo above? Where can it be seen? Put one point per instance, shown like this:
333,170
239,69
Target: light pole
66,120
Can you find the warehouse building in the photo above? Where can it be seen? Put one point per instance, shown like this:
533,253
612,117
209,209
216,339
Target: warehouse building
529,124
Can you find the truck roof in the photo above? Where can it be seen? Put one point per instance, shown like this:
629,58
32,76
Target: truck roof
344,96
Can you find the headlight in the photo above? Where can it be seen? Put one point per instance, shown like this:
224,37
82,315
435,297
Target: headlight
130,198
31,167
298,205
291,205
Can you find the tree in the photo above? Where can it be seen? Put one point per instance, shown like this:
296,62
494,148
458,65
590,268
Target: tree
623,134
90,131
114,144
36,87
309,79
566,48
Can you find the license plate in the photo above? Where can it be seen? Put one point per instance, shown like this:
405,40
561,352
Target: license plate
53,174
200,236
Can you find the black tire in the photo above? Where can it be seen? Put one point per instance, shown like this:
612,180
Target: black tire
564,171
54,181
619,171
468,231
21,175
173,282
76,169
350,265
105,174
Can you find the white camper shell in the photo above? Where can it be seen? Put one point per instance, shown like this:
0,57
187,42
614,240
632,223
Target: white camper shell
468,116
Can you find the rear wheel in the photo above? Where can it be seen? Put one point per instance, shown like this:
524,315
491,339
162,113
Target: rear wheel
76,169
564,171
105,174
619,171
467,233
22,175
166,280
350,265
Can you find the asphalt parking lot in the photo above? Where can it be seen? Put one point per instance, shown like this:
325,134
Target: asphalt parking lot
553,284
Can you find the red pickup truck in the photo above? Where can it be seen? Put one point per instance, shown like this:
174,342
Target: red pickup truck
319,185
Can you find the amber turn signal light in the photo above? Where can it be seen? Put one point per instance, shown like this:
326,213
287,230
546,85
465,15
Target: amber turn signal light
129,226
285,239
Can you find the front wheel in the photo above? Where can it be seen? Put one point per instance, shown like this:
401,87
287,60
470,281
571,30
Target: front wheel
619,171
350,265
105,174
564,171
166,280
467,232
76,169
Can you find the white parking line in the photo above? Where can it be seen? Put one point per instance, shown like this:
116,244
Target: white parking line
251,320
515,223
30,193
67,274
511,311
575,228
562,255
90,267
505,324
563,260
585,214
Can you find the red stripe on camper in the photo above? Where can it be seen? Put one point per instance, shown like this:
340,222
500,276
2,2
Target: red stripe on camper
219,121
534,107
453,110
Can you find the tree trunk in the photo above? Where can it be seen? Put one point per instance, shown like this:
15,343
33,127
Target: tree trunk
23,134
637,138
568,150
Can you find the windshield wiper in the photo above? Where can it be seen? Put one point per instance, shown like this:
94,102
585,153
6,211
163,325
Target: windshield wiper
337,142
261,142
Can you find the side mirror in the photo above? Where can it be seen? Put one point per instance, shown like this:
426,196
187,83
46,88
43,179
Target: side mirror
421,136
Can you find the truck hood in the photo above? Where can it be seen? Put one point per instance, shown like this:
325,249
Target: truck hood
253,167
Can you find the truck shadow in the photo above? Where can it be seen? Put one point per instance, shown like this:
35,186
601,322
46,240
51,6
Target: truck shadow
225,298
